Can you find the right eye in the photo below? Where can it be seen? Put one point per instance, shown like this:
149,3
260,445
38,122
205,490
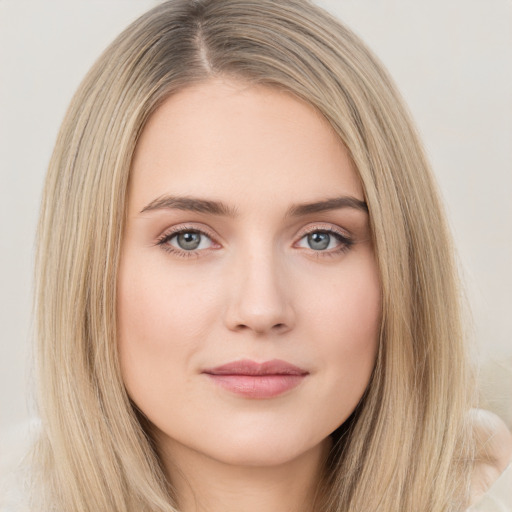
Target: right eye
189,240
186,242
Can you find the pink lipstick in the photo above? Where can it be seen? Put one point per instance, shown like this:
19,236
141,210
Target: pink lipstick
257,380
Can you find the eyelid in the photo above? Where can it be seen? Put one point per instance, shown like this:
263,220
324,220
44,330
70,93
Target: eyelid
168,234
344,238
180,228
324,226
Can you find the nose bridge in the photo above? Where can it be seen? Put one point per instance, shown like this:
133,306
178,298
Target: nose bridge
259,300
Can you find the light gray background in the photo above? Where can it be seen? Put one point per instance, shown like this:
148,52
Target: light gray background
452,60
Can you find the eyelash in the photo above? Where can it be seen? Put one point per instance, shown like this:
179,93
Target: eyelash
162,241
345,242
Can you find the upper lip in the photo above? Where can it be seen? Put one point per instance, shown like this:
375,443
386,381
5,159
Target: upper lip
248,367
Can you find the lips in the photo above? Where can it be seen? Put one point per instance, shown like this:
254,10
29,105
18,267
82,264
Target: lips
247,367
257,380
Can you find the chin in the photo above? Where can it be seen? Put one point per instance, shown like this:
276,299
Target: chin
254,450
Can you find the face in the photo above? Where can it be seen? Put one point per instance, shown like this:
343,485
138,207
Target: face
248,293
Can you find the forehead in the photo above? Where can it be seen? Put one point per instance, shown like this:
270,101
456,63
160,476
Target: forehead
230,141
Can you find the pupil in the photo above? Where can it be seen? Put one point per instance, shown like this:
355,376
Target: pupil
189,240
319,241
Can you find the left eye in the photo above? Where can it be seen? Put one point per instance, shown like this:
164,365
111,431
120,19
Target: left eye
189,240
321,240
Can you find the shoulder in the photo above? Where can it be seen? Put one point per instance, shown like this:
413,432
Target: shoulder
493,438
493,454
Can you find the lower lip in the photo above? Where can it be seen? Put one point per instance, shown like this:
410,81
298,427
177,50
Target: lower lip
257,386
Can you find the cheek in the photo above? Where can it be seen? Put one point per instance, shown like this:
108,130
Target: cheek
350,307
158,329
349,315
159,305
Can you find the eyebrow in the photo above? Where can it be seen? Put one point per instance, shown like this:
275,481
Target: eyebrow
334,203
190,204
194,204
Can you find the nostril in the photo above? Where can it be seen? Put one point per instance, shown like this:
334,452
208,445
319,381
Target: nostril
276,327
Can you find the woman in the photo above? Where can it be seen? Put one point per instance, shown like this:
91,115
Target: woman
246,296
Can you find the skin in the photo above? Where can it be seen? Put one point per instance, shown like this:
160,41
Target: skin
254,289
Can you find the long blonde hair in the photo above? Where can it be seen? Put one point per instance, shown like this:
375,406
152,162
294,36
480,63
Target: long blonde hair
407,447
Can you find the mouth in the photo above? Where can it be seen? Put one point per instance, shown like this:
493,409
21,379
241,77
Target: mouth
257,380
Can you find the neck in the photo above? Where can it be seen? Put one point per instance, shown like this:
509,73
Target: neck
204,484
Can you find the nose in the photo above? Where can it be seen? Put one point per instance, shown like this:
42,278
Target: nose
259,299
